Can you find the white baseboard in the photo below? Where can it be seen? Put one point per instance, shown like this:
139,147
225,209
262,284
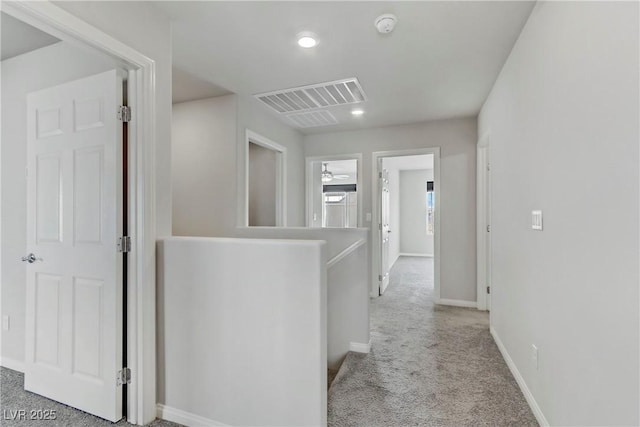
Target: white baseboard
360,347
185,418
542,420
457,303
420,255
16,365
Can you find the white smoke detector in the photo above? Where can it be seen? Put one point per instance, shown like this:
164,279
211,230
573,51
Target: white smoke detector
385,23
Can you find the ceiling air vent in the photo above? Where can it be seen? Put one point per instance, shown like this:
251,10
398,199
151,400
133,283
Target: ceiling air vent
312,119
322,95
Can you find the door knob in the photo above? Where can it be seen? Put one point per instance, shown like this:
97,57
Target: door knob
31,258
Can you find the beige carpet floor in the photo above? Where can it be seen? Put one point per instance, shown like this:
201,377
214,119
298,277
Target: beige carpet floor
429,365
14,399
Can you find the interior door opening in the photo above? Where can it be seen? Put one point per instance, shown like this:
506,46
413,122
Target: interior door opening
406,201
333,199
49,28
265,182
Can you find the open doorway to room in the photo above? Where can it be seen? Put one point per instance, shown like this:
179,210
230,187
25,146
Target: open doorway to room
69,326
333,199
406,199
265,181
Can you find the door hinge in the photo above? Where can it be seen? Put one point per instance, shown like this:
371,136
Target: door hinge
488,290
123,376
488,166
379,226
379,278
124,113
488,228
124,244
379,174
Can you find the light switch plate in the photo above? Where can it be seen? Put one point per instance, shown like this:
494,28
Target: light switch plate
6,323
536,220
368,217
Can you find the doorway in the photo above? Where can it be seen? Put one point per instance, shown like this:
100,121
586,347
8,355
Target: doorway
483,203
140,73
333,199
265,190
405,195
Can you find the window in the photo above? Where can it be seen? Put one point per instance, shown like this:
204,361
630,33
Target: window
430,208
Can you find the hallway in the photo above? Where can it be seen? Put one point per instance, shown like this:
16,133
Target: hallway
428,365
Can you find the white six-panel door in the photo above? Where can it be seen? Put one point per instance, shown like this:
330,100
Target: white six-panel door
74,216
384,230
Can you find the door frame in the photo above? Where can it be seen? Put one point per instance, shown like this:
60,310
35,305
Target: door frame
483,237
376,203
141,282
281,176
309,161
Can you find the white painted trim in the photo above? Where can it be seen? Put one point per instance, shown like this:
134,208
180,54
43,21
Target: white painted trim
376,158
281,176
141,309
416,255
309,161
483,219
345,253
535,408
358,347
185,418
14,364
456,303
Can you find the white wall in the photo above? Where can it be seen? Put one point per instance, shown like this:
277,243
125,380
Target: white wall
348,282
564,105
347,305
39,69
203,167
236,347
145,28
457,139
209,147
413,212
337,239
253,116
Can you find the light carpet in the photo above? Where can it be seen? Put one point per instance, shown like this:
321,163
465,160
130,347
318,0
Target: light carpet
429,365
14,398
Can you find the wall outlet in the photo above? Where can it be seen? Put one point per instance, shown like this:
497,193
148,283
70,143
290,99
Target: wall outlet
6,323
534,356
536,220
368,217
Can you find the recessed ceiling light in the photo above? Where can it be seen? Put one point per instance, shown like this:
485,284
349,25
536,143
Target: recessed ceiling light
357,112
307,40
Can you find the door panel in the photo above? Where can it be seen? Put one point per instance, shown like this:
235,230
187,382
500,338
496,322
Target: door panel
489,254
384,237
74,216
48,198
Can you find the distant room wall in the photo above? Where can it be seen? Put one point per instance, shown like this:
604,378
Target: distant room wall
203,167
413,212
262,186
